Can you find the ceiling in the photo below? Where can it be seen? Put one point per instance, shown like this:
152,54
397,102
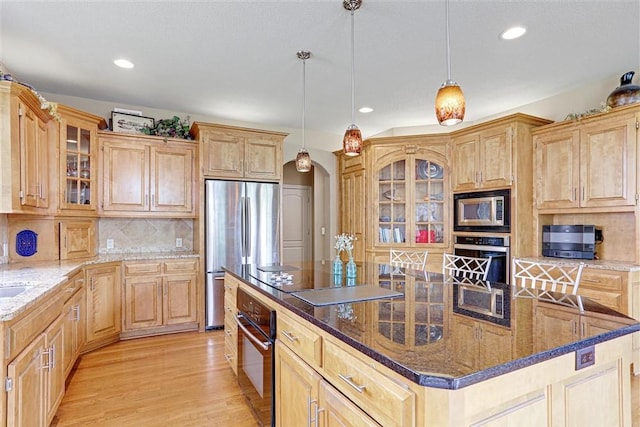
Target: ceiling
236,60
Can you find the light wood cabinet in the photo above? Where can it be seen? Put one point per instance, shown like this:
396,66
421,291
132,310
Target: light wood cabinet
159,296
353,201
26,388
26,143
409,191
74,328
146,175
77,238
303,397
483,160
54,374
234,152
480,345
230,325
103,292
556,324
78,152
590,163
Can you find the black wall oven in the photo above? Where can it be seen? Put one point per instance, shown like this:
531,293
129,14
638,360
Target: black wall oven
482,246
256,351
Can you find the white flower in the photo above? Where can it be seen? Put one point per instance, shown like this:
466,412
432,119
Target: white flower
344,242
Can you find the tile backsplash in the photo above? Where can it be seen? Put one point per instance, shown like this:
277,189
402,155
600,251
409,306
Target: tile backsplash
144,235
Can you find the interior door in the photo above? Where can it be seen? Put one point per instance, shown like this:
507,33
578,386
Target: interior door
297,219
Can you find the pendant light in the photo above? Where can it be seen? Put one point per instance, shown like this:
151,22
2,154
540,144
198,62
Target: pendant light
352,142
303,160
450,104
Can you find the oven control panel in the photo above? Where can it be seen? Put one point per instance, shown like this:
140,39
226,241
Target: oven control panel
483,240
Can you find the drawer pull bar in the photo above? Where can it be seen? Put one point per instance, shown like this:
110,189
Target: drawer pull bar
290,336
348,380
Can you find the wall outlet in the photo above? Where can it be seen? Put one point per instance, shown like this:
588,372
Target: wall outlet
178,242
109,243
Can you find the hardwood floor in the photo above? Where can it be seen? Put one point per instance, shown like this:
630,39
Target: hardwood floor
172,380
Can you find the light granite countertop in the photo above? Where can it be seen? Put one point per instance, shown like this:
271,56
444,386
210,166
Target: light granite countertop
43,278
601,264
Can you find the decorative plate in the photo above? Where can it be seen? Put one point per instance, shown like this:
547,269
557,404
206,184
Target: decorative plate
421,169
26,243
435,171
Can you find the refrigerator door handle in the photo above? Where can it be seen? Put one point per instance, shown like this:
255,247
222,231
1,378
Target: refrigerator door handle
247,226
243,221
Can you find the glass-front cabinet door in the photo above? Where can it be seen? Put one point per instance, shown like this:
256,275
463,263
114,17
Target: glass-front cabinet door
411,202
78,168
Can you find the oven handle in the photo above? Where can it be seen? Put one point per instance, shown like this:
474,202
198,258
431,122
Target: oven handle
263,345
504,249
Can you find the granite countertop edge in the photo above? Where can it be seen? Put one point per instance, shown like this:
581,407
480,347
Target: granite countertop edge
433,380
43,278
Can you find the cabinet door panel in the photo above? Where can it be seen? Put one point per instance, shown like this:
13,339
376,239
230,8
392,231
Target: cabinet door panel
143,302
464,341
608,168
29,174
25,401
125,177
55,374
296,387
495,158
465,153
263,158
172,179
338,411
77,239
558,170
223,155
179,299
103,303
553,327
353,207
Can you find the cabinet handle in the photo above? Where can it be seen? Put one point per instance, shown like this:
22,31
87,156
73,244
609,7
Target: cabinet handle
77,312
480,180
583,329
228,357
348,380
227,332
573,197
582,193
290,336
575,327
316,412
45,353
52,357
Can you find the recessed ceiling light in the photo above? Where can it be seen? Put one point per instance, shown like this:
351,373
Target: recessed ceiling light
513,33
365,109
123,63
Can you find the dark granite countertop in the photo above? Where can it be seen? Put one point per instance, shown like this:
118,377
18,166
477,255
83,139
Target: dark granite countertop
413,334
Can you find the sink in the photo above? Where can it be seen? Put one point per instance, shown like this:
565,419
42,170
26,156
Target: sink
12,291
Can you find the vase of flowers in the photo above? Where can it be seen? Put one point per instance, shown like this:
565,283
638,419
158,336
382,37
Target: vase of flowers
344,242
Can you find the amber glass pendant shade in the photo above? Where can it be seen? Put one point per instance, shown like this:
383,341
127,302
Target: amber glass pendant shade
303,161
450,104
352,142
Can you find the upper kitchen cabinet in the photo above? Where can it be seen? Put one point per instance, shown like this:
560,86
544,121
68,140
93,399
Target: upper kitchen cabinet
589,163
352,200
146,176
78,146
26,150
486,156
239,153
409,193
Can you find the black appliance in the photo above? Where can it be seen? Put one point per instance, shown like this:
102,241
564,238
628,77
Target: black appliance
256,354
484,211
481,246
570,241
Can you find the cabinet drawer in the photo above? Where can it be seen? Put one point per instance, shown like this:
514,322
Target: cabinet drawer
190,265
134,268
302,340
606,281
610,299
387,401
74,283
20,333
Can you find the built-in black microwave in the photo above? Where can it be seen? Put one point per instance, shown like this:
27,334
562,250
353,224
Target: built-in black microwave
485,211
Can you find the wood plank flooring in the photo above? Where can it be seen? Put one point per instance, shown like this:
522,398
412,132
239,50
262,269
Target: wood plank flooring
172,380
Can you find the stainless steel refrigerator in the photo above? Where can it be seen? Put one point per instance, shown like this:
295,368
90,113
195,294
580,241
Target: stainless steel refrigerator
242,227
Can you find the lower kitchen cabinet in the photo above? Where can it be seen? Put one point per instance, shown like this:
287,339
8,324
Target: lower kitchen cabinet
303,397
35,379
230,325
159,296
555,323
75,321
103,305
483,344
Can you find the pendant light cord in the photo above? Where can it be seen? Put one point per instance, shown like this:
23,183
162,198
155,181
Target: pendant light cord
446,9
304,97
353,61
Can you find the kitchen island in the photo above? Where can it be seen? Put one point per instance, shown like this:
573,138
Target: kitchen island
410,360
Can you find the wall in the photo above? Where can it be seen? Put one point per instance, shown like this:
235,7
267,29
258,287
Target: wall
144,235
